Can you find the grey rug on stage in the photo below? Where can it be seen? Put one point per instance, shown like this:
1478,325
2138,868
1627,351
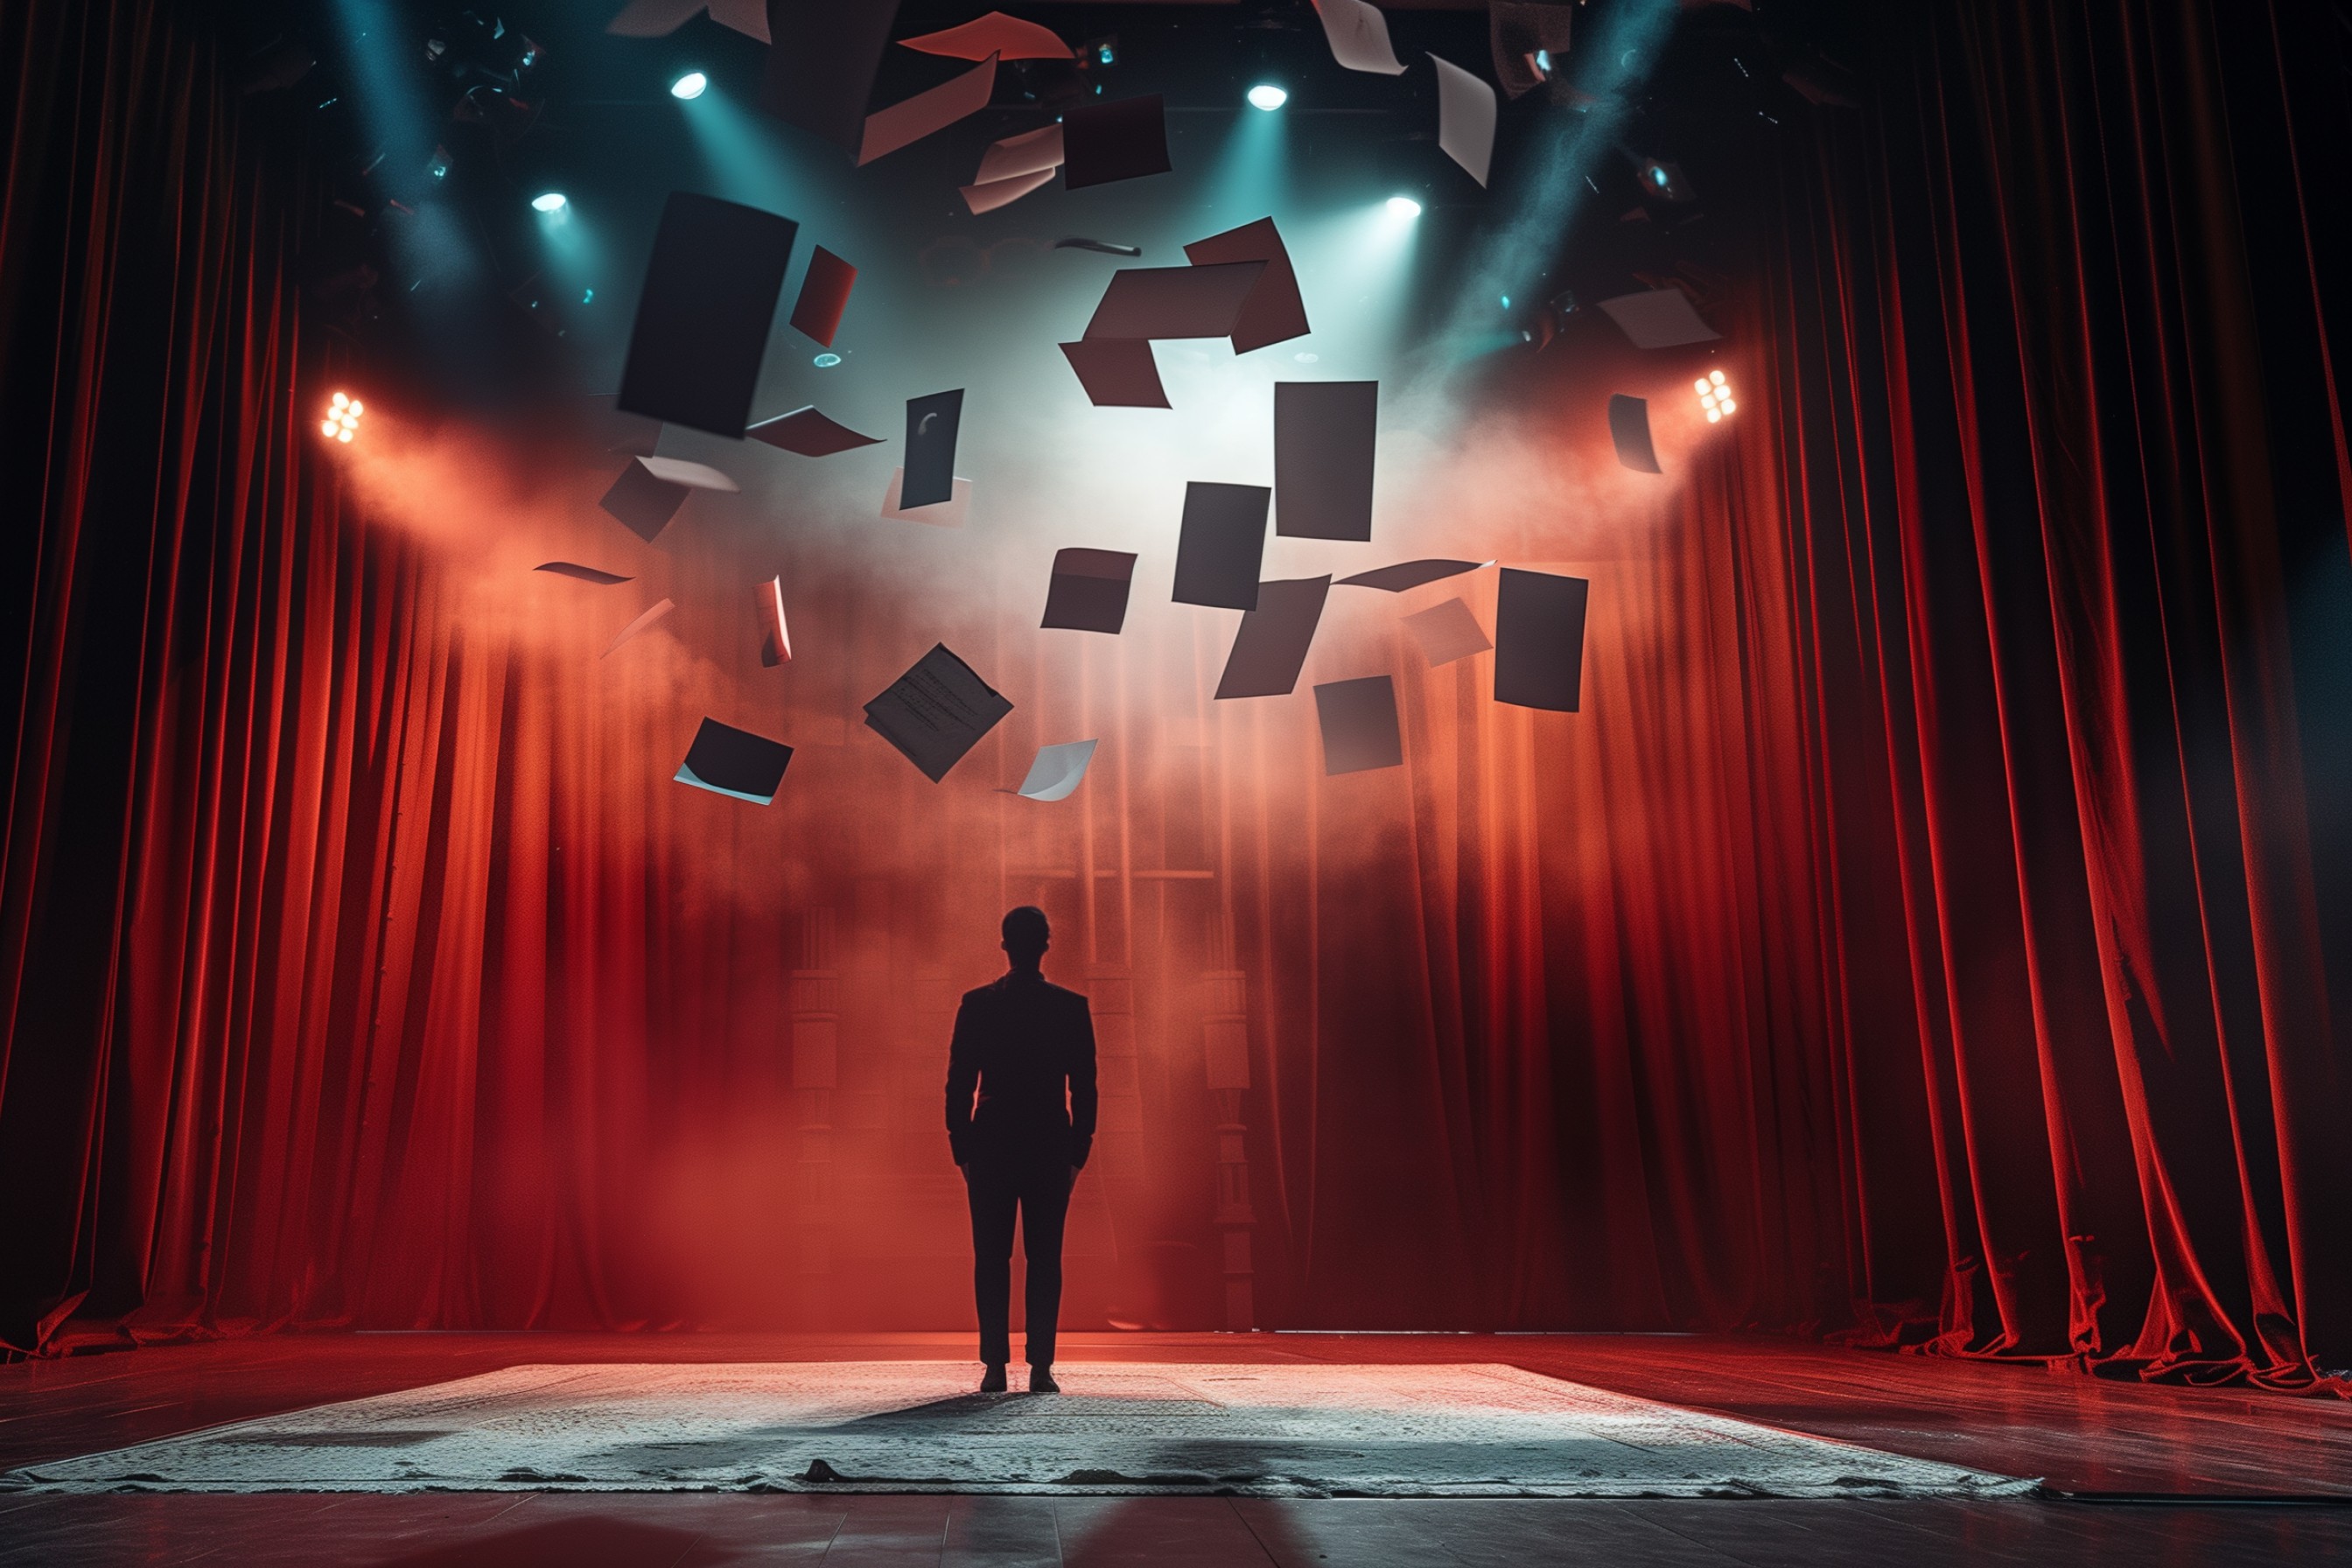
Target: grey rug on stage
1146,1427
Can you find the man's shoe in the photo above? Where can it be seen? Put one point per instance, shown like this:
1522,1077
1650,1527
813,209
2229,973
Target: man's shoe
992,1379
1040,1380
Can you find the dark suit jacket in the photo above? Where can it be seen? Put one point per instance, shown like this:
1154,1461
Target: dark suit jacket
1022,1042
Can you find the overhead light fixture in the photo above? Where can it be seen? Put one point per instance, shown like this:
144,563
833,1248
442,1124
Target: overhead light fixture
1715,397
548,202
1265,95
826,361
1405,206
692,85
342,419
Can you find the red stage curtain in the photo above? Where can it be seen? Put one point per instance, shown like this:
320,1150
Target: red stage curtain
1931,930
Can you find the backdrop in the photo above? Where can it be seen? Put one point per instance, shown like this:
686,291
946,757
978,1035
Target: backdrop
1930,931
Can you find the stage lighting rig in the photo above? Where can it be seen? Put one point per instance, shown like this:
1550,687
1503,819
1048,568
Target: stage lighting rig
343,418
1715,397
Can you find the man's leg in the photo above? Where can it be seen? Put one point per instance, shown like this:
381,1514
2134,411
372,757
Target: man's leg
993,1197
1044,1204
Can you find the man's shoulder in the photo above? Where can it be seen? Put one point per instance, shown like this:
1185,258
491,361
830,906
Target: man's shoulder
1063,995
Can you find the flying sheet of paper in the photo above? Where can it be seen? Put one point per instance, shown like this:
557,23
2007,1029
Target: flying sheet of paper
936,712
910,119
693,476
1270,650
952,513
1031,152
1056,772
776,638
1358,36
642,503
1003,193
824,296
1540,640
1465,118
1629,432
1006,38
932,422
701,327
585,574
1407,574
1658,319
1220,544
1324,438
640,623
1359,719
1104,246
1275,312
748,18
1123,140
1117,372
810,434
1447,632
1175,301
653,18
1089,589
736,762
820,70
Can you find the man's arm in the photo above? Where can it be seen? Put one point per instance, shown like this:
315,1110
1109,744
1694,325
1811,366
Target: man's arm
963,1077
1082,1087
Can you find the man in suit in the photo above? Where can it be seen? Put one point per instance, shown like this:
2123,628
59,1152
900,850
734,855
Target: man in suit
1027,1048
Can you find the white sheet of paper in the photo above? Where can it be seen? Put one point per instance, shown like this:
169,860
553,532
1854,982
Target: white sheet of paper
952,513
1023,155
912,118
995,194
1465,118
1358,36
693,476
1056,772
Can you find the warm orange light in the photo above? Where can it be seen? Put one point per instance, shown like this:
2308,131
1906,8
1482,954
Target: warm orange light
343,420
1714,396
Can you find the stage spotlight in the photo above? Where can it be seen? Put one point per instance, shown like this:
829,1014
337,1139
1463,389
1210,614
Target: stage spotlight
343,418
826,361
548,202
1405,206
689,85
1265,95
1715,397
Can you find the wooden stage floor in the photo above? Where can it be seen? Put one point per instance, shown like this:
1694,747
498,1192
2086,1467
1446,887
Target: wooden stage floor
2137,1474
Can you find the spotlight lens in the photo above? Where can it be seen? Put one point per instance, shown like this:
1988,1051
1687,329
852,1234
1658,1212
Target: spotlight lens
328,427
1405,206
1715,416
340,399
357,408
548,202
1659,177
1702,386
1727,405
1716,377
827,362
345,434
690,85
1265,95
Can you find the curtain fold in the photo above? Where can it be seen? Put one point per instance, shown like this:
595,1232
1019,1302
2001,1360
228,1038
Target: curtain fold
1931,932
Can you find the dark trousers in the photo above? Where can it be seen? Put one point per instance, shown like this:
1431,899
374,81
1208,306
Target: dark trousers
1040,1194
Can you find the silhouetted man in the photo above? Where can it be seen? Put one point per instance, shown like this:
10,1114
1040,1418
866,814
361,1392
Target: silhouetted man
1028,1048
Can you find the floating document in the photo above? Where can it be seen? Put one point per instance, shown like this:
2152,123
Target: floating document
995,194
1006,38
1628,431
640,623
1055,775
809,433
936,712
650,491
1089,589
585,574
653,18
1117,372
1274,311
821,70
1221,545
954,512
1125,140
1407,574
824,295
702,321
930,468
1323,434
1447,632
1031,152
1078,242
910,119
1465,118
1270,650
731,762
1540,640
1659,319
1359,719
1175,301
776,638
1358,36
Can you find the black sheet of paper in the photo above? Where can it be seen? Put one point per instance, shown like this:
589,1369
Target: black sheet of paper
728,761
702,322
1324,435
1540,640
1447,632
1117,372
821,65
1124,139
584,574
644,503
1175,301
809,433
930,448
1089,589
1629,428
936,712
1359,719
1407,574
1079,242
1275,311
1270,650
1221,545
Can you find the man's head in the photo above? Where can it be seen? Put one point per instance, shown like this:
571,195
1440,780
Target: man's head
1026,936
